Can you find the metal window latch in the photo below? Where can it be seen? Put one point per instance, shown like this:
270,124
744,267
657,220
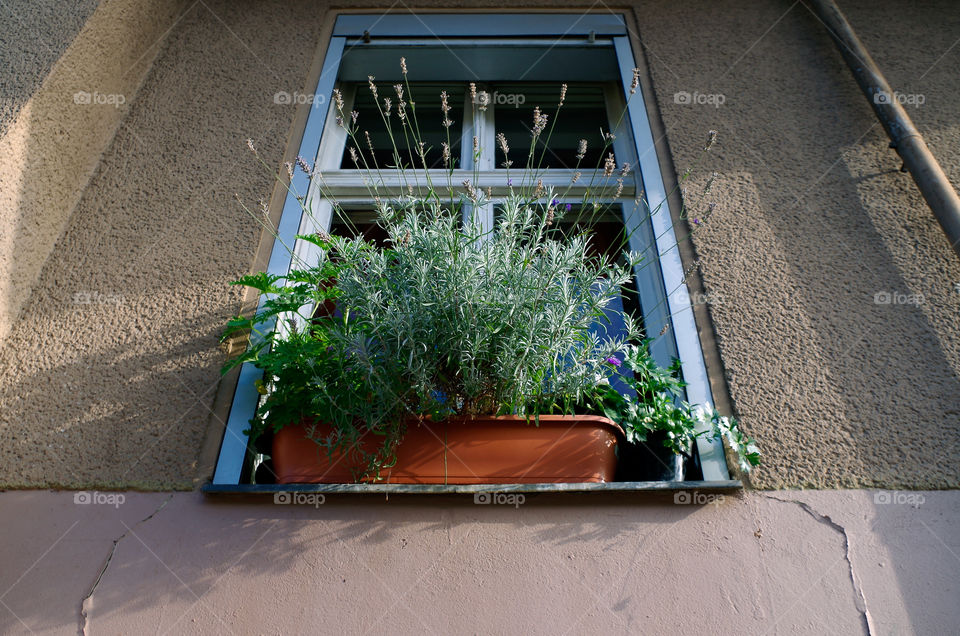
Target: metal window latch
592,37
366,37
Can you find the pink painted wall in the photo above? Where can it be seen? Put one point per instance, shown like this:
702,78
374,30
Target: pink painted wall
787,562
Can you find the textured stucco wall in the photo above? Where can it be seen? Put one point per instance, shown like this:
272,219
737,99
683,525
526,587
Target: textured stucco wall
68,72
839,390
33,36
812,221
117,389
761,563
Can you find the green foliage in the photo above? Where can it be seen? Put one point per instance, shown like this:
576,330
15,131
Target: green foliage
744,447
445,318
659,407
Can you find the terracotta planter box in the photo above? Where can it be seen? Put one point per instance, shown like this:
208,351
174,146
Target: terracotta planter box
488,450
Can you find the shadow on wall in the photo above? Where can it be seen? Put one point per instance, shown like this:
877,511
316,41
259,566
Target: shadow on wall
36,35
545,563
345,546
918,536
839,388
52,146
132,413
877,396
69,408
832,284
108,377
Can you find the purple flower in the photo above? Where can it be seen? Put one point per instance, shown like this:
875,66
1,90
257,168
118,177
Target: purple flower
555,203
614,361
509,183
569,207
696,221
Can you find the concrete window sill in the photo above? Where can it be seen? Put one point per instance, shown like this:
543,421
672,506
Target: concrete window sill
425,489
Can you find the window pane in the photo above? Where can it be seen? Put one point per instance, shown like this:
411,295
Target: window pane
608,237
429,118
546,59
352,223
604,226
582,116
358,222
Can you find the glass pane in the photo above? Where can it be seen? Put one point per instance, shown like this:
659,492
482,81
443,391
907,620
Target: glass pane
352,223
608,237
358,222
582,116
604,226
429,119
546,59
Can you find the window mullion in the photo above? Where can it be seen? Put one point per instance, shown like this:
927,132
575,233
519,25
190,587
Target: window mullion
486,134
466,135
332,146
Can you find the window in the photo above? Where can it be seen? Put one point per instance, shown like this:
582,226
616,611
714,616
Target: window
515,64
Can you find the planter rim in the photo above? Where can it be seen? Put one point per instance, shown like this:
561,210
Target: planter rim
478,420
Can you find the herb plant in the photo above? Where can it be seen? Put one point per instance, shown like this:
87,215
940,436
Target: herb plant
445,317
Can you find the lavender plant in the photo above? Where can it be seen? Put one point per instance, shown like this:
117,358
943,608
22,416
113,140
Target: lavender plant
446,319
446,316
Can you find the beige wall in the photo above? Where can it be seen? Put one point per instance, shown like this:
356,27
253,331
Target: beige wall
70,97
760,563
35,37
813,220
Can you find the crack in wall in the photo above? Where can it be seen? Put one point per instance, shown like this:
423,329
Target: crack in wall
860,599
82,627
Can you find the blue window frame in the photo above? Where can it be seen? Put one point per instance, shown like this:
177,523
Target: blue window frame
490,48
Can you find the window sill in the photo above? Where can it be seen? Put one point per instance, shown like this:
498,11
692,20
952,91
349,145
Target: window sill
423,489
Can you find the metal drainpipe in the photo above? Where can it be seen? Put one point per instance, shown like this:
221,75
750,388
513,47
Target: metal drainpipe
904,136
